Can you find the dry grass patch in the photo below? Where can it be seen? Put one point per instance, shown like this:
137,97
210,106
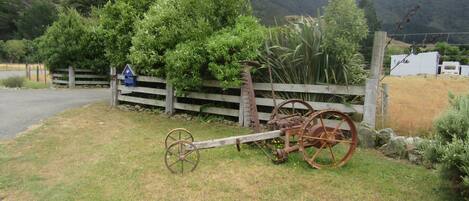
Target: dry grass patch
97,153
416,101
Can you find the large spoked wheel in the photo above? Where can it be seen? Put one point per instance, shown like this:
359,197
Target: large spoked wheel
290,112
181,157
178,134
328,139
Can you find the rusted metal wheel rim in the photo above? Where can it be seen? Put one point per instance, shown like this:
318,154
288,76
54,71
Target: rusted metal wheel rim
290,107
178,134
337,139
181,157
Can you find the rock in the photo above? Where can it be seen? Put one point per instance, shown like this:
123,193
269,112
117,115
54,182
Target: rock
384,136
366,136
395,148
415,157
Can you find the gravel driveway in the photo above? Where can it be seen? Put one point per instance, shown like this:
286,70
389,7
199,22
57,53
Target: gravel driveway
19,109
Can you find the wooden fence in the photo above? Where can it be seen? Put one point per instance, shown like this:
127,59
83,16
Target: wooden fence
73,77
232,102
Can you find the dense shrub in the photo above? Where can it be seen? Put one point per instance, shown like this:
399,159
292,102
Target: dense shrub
229,46
13,82
191,40
73,41
15,50
116,21
451,146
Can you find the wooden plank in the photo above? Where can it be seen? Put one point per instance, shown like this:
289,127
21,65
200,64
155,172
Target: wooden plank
92,82
369,115
57,75
76,70
313,89
60,81
211,96
145,79
315,105
71,77
145,90
144,101
210,110
113,87
233,140
91,76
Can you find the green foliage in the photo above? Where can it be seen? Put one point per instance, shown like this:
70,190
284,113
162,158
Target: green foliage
185,39
35,19
451,53
346,27
185,64
84,6
13,82
451,146
229,46
117,19
73,41
15,50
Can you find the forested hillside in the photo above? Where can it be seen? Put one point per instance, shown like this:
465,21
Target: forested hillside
433,15
28,18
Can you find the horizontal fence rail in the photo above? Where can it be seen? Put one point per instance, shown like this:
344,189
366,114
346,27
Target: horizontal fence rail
72,77
153,91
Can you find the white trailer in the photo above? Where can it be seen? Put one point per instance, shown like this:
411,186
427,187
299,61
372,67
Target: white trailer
465,70
415,64
450,68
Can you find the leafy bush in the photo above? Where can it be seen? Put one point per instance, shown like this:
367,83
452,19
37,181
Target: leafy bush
15,50
191,40
451,146
13,82
229,46
73,41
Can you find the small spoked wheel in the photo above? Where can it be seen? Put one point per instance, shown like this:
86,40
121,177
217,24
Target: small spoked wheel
181,157
292,111
178,134
328,139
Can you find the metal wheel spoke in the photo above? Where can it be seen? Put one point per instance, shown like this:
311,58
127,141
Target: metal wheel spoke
179,135
317,152
338,126
332,153
170,152
188,153
189,161
172,137
318,138
322,123
171,165
187,138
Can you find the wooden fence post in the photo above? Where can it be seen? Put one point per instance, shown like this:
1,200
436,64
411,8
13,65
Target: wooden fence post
372,83
114,81
37,73
26,70
71,77
169,103
242,107
385,103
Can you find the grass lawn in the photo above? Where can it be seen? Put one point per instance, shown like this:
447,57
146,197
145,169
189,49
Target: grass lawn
98,153
30,84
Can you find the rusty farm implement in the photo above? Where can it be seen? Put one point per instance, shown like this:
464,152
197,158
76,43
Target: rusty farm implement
326,139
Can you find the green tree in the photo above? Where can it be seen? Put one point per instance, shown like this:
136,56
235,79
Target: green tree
116,21
451,53
8,15
35,19
73,41
15,50
345,26
170,22
84,6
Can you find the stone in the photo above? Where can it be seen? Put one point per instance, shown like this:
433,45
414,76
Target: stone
395,148
415,157
384,136
366,136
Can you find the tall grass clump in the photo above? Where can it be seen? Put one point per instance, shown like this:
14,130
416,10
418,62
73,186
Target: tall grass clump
13,82
322,50
451,146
